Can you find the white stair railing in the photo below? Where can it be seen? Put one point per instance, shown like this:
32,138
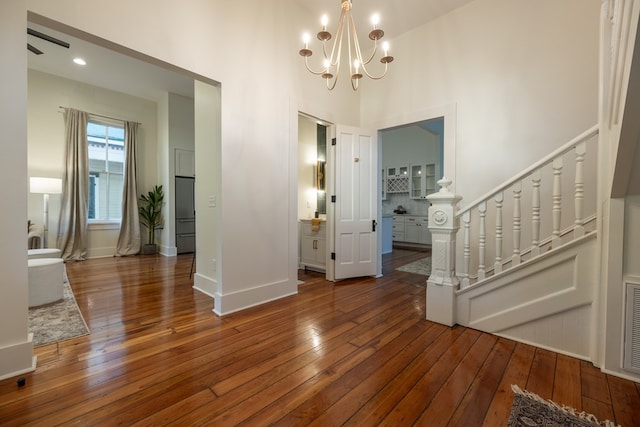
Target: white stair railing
541,211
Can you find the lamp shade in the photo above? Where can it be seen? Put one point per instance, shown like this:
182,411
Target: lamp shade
45,185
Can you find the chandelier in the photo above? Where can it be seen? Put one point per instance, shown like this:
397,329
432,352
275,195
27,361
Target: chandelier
357,63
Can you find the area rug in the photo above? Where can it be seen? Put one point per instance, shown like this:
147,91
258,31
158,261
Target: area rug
421,266
57,321
530,410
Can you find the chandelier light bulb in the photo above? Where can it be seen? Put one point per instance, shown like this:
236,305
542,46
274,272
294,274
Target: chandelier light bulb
306,37
356,65
326,64
385,47
324,21
375,20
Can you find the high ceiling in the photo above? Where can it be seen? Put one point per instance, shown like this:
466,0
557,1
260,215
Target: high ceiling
396,16
111,70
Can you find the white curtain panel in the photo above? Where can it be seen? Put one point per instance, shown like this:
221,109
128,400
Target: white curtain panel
129,237
72,225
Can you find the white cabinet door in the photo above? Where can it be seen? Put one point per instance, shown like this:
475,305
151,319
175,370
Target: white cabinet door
308,250
313,246
416,182
412,233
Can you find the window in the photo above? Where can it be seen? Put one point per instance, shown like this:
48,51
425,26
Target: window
106,170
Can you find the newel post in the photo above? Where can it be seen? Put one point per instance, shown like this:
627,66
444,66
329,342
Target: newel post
443,283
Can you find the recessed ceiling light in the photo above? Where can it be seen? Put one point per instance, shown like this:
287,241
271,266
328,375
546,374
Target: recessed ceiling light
79,61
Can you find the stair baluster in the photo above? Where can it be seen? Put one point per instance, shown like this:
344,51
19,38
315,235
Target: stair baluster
482,240
578,230
517,218
535,214
497,266
557,202
466,221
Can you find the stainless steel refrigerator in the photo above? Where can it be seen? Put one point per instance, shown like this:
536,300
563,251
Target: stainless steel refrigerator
185,215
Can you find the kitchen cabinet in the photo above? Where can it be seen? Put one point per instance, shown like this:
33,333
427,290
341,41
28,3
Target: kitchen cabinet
398,228
416,230
422,181
411,229
313,246
399,171
398,179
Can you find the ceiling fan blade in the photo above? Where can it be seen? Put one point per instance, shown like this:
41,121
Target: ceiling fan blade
47,38
34,49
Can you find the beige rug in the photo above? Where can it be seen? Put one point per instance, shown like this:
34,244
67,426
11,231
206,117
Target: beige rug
421,266
530,410
57,321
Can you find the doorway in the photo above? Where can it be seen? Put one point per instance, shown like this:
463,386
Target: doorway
312,193
412,161
185,207
148,83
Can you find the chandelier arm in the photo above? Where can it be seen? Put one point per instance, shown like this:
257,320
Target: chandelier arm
337,65
334,61
350,28
333,50
306,63
375,50
324,49
356,44
335,79
372,77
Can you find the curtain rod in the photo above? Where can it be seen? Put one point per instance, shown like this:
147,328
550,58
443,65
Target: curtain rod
103,116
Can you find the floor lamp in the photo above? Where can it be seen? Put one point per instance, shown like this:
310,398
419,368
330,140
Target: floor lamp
45,186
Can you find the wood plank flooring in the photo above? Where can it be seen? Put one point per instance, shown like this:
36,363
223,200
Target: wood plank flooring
357,352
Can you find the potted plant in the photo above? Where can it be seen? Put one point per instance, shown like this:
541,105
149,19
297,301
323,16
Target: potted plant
150,211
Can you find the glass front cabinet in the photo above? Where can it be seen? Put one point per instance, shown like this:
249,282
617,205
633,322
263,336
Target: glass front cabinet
422,180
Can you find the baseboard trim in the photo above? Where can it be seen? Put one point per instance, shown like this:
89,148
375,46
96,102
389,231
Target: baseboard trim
17,359
168,250
240,300
205,284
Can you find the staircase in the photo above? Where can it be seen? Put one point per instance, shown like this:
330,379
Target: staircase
522,260
548,258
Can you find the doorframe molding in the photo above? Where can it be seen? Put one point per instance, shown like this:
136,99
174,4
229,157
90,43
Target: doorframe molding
449,113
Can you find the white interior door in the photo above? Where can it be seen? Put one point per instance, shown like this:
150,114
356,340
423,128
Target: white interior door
356,205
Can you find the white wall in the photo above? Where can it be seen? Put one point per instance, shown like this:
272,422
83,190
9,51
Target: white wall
409,145
208,185
523,77
16,347
46,143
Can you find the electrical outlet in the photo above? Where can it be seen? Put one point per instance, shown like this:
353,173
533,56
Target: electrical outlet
212,201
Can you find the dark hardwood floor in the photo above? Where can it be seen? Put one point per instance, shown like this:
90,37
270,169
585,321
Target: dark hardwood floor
357,352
